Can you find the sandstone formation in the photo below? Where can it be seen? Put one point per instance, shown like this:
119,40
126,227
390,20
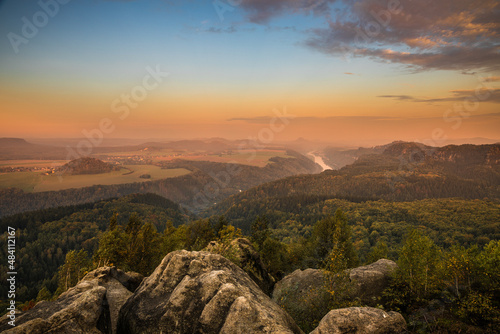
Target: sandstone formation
361,320
242,253
201,292
371,280
91,306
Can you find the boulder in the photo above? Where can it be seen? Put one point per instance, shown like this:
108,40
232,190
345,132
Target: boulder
201,292
371,280
91,306
361,320
303,295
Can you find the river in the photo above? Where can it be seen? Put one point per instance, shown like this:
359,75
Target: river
319,160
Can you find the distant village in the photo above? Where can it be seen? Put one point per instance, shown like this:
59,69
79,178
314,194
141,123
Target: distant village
43,170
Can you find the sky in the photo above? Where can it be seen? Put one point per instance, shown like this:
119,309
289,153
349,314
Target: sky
330,70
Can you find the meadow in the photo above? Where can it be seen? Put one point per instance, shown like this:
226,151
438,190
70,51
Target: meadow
37,182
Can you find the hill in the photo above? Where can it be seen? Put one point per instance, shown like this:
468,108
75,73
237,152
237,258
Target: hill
403,172
17,148
86,165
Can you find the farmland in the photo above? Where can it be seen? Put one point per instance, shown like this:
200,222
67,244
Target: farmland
258,158
37,182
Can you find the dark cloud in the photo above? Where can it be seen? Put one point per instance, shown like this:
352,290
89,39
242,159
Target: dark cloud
460,35
484,94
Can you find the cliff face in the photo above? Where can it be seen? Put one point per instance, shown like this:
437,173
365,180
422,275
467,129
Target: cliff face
462,154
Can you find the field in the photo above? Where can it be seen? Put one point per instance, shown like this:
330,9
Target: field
259,158
37,182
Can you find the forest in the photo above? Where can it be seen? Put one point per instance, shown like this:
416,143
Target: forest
58,246
440,223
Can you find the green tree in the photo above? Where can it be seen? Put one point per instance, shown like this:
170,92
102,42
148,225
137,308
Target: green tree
200,233
148,252
174,238
113,222
377,252
333,243
418,266
74,268
460,268
113,248
260,231
43,294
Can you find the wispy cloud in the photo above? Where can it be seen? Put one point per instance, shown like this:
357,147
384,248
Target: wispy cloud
354,119
492,95
491,79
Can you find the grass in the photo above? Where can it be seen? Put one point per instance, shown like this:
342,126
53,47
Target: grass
36,182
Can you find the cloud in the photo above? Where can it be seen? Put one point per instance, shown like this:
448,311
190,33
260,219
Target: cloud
491,79
228,30
262,11
482,95
349,73
459,35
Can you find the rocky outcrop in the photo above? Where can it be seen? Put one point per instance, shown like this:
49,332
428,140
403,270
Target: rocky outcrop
242,253
201,292
371,280
303,293
91,306
361,320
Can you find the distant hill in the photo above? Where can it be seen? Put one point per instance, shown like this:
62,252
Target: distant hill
209,182
18,148
337,158
87,165
402,172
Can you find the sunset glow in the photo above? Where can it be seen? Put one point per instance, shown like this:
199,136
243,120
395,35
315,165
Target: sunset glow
417,70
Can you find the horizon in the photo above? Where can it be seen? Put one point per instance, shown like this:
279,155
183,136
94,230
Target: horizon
167,69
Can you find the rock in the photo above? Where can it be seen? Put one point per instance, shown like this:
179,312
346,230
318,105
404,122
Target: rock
298,282
303,296
371,280
91,306
201,292
361,320
242,253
